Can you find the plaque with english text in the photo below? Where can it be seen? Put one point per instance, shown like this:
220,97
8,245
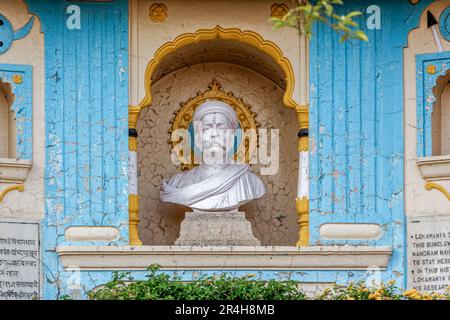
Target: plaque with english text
429,254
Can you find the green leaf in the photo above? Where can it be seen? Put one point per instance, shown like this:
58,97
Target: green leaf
361,35
354,14
321,11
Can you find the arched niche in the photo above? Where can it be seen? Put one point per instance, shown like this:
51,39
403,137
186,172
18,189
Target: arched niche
16,130
7,122
229,48
427,163
440,117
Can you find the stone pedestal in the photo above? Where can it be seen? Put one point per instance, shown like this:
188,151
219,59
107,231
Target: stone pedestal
216,229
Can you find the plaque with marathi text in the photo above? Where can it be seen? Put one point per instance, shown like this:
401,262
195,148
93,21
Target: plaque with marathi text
19,261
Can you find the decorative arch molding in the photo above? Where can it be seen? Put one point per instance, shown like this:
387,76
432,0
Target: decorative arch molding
249,37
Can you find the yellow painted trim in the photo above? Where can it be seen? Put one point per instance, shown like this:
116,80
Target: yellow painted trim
303,116
133,116
18,187
248,37
431,185
132,144
133,200
302,205
303,144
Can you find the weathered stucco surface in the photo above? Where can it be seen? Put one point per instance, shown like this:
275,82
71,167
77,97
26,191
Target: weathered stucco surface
28,51
86,118
273,217
418,201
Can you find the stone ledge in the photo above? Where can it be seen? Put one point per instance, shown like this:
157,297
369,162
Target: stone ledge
14,171
224,258
434,168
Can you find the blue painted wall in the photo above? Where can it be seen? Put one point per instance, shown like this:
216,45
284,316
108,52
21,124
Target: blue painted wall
356,128
86,108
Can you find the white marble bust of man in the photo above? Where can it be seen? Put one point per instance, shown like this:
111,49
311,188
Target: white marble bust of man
214,185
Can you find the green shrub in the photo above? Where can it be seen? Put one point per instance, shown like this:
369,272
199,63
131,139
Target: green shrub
359,291
159,286
223,287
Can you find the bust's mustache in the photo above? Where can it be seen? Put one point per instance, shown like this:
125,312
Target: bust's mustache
214,142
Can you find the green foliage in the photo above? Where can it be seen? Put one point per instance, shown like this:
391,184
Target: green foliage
307,13
360,291
160,286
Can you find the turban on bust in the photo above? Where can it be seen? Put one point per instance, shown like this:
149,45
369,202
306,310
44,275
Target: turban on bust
215,106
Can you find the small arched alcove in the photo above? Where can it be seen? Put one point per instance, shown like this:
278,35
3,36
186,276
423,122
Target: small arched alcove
440,117
7,122
252,70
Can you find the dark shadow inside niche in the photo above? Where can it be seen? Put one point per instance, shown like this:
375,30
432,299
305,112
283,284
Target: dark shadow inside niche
440,117
7,122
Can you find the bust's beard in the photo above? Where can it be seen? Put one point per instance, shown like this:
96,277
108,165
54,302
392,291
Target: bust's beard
215,154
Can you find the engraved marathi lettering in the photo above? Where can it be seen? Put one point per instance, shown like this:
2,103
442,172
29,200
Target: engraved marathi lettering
19,261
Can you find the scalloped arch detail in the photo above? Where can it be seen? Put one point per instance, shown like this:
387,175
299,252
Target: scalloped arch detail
249,37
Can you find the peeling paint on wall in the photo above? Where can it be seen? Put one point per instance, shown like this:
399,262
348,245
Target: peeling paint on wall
86,104
356,125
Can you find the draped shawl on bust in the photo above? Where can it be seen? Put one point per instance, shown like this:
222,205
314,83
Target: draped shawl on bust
234,185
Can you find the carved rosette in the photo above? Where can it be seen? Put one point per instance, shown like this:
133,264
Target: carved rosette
183,117
278,10
158,12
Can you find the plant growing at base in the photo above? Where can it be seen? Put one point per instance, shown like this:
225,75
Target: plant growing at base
308,13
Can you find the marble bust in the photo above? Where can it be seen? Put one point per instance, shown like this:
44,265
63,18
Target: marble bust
215,184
